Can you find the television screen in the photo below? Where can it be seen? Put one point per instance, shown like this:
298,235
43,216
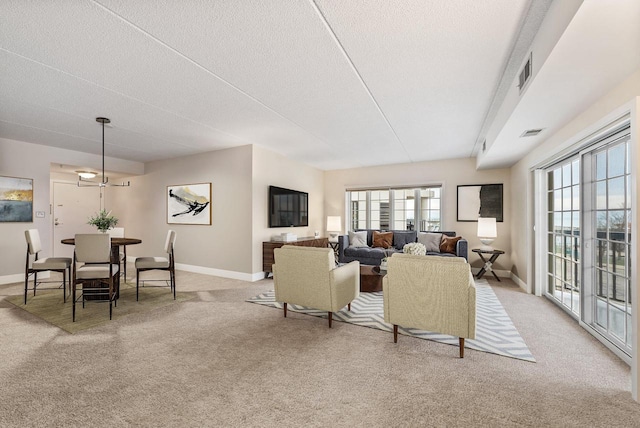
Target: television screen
288,207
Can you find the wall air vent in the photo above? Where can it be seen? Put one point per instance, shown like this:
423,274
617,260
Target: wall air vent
525,74
530,133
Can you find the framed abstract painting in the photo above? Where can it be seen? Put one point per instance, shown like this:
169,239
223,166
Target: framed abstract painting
16,200
189,204
480,200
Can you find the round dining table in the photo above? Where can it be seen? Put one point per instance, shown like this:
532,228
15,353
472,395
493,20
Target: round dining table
114,241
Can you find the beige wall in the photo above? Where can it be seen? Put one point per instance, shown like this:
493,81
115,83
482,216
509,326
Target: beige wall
20,159
221,248
231,246
522,196
449,173
270,168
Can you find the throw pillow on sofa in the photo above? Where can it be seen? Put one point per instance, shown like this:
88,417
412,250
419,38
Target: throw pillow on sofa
448,244
358,239
431,241
382,239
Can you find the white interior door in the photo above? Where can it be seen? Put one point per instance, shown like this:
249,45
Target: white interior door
72,207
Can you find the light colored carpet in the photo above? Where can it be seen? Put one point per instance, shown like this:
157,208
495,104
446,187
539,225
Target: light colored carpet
495,333
217,361
49,305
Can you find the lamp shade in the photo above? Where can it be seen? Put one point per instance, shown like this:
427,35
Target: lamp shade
334,223
487,227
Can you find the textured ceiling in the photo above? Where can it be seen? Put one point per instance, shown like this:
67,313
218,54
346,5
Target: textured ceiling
333,84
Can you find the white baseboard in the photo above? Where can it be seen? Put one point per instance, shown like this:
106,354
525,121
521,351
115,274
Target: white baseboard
520,282
221,272
504,274
19,277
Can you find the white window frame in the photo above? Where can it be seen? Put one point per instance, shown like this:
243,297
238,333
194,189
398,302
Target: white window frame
417,205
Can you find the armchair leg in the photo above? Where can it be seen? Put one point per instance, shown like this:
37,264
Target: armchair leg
395,333
330,318
285,309
461,342
349,306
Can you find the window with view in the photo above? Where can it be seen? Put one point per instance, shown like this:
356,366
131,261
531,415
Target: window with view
398,209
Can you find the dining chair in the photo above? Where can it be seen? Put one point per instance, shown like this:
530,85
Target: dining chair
159,263
97,279
53,264
118,232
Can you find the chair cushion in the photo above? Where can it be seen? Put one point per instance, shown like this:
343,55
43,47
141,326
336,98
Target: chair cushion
50,263
152,263
97,271
33,241
93,248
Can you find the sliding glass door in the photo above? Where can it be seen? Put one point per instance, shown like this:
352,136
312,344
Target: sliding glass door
563,234
610,219
588,237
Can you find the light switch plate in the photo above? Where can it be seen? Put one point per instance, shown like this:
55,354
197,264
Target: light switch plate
40,214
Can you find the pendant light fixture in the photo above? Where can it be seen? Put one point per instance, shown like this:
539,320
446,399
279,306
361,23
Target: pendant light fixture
86,174
105,180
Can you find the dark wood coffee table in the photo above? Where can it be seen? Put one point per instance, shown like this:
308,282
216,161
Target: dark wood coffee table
371,278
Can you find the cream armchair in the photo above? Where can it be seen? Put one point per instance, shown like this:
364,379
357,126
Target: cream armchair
430,293
308,276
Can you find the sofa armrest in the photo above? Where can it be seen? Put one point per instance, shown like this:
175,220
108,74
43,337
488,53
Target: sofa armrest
343,242
462,249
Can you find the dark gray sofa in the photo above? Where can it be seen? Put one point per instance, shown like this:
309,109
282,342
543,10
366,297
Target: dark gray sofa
373,256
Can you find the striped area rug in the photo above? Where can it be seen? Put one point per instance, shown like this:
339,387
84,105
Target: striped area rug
495,332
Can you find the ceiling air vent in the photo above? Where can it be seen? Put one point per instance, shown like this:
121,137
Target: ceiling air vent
525,74
531,133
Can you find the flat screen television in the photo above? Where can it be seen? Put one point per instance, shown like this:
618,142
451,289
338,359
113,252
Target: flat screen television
288,207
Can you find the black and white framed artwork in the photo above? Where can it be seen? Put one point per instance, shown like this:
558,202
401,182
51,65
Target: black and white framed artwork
480,200
189,204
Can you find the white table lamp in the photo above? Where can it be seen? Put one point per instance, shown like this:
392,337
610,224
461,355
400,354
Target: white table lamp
487,232
334,226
